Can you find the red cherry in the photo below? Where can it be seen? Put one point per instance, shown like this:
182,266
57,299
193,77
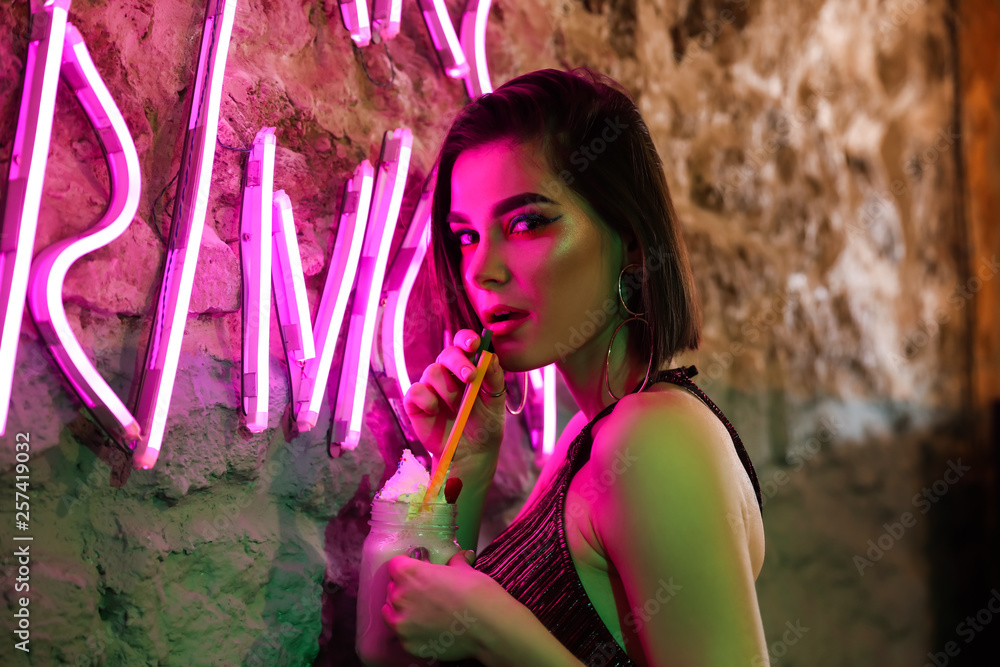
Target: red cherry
452,487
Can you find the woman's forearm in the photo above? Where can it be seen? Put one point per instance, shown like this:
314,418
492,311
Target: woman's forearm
511,636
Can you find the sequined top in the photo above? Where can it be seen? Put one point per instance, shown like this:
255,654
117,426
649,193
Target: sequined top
532,561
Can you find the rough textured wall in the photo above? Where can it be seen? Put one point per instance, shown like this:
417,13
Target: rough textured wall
811,151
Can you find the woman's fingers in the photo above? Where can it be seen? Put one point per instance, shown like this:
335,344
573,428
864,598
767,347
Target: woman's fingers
458,363
420,398
444,383
447,378
467,341
437,396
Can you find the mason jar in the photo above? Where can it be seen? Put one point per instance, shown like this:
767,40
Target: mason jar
429,535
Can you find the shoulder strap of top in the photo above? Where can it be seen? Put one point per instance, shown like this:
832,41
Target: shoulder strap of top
683,378
580,449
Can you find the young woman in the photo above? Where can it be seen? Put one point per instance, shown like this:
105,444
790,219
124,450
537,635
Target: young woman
640,543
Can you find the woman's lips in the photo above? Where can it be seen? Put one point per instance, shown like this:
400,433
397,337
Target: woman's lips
507,326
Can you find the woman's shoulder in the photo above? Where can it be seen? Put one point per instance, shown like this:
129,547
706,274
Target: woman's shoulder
668,427
666,408
668,449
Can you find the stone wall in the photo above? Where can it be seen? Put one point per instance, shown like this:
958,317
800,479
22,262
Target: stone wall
813,153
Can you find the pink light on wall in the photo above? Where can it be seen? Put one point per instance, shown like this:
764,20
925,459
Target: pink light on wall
540,411
24,182
290,288
355,15
48,271
473,31
255,257
389,358
309,382
446,43
392,168
386,16
190,206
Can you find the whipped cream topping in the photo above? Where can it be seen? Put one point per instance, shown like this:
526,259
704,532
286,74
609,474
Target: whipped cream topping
410,482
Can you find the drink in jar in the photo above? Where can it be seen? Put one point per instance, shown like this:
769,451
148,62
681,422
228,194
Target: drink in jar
395,532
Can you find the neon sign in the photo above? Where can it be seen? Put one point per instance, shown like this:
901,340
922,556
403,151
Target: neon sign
255,258
27,172
388,195
355,15
308,385
49,268
370,209
461,55
190,206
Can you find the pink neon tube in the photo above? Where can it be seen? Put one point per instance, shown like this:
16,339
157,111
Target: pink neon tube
392,169
290,285
48,271
442,33
473,31
190,208
27,173
386,17
389,358
355,15
309,385
549,409
255,256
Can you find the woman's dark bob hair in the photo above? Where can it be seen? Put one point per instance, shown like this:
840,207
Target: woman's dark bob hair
598,147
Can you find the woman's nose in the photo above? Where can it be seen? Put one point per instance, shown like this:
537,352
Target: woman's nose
487,265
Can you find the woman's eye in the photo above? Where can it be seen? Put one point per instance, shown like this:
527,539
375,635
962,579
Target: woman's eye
529,221
519,224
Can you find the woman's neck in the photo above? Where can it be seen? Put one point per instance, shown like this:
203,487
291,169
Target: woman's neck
583,371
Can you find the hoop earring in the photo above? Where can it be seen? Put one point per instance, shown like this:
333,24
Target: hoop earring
636,316
524,395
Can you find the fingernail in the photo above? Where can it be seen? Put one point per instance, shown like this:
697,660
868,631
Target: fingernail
466,373
469,341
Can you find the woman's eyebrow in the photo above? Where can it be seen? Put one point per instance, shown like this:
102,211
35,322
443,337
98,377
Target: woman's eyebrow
506,205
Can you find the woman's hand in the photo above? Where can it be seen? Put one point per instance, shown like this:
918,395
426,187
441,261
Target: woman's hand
432,403
437,611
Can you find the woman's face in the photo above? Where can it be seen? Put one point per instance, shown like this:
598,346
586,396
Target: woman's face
536,249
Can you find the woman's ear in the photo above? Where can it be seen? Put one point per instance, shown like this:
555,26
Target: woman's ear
632,250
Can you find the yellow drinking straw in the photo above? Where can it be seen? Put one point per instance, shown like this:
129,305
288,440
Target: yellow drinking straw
464,410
